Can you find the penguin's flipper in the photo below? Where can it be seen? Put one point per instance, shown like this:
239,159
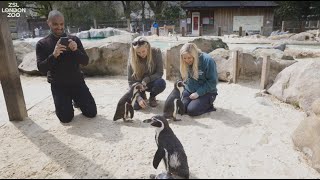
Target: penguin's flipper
181,107
118,114
158,157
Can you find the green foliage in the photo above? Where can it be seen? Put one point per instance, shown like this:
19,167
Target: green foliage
297,10
83,12
173,12
42,8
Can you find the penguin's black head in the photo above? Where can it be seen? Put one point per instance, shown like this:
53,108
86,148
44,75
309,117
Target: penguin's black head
159,121
179,84
136,87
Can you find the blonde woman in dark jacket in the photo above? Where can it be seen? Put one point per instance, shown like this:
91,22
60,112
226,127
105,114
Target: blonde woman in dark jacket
145,65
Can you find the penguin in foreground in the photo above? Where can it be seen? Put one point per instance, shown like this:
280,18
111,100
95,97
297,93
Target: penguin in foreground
173,103
125,104
170,150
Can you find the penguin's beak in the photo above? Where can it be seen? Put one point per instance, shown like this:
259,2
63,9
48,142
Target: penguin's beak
155,123
147,121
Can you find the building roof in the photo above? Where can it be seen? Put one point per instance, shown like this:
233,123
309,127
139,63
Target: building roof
219,4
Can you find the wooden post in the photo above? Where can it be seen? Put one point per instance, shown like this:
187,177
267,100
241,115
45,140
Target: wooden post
265,72
157,31
261,31
282,27
235,57
95,23
240,31
9,74
200,31
183,32
318,24
219,31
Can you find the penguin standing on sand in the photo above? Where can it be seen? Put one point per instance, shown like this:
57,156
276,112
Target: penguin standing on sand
170,150
173,103
125,104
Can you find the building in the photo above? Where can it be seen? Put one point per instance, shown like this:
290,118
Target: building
252,16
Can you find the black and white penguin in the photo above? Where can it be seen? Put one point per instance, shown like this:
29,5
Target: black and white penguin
125,105
170,150
173,103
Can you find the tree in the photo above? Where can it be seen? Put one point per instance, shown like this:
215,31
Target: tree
42,8
157,8
95,10
299,11
173,11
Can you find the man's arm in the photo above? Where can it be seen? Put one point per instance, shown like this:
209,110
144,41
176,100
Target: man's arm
44,62
80,54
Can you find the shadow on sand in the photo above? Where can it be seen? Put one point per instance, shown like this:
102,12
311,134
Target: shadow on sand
70,160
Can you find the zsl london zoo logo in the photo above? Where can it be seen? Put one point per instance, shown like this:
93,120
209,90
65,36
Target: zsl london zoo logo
13,10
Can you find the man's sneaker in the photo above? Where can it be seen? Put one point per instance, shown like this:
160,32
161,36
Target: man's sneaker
153,101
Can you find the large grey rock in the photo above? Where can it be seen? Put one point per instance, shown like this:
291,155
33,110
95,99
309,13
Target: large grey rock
108,59
304,36
208,45
298,84
21,49
96,33
307,137
282,36
29,64
223,60
83,35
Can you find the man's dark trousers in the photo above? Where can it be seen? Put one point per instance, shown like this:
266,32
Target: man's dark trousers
79,93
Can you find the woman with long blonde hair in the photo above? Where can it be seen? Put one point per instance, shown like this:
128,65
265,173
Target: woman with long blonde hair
199,73
145,65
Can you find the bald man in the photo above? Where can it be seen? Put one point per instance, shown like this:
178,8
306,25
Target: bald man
61,64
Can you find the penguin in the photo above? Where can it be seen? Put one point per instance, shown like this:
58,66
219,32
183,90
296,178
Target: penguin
173,103
170,150
125,104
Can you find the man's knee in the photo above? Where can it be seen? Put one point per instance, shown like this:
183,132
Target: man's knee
90,112
65,117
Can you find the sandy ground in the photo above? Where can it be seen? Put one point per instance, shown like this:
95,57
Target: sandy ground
247,137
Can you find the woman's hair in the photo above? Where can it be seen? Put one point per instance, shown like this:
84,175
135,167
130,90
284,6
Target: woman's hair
193,50
137,68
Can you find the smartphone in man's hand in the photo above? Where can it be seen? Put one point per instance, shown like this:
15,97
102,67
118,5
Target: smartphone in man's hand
64,41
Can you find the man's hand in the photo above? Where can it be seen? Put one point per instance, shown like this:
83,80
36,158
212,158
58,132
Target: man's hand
73,45
59,49
194,96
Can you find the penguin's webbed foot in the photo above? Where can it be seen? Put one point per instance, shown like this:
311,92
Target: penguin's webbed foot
128,120
175,119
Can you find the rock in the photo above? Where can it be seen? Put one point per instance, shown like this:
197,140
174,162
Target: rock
304,36
22,48
83,35
29,64
108,59
316,107
208,45
307,139
298,84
